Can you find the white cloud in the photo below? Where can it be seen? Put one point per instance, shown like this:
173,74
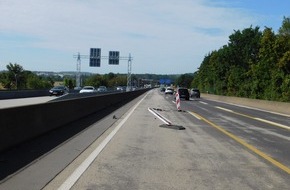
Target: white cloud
159,34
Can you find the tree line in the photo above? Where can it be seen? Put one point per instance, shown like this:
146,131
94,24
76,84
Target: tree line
254,64
16,78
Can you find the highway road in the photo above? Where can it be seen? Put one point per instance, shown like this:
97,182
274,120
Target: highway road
9,103
208,145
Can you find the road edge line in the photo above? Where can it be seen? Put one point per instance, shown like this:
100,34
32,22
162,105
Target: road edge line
72,179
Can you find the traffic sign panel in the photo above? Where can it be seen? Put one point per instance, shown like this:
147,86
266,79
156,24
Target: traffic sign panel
95,57
114,57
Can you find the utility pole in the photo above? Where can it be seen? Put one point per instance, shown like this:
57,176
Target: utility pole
129,82
78,75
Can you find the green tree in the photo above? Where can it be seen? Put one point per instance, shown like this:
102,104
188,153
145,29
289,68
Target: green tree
202,76
284,30
69,82
119,80
14,74
261,71
109,76
96,81
283,46
253,64
244,47
4,80
18,78
184,80
36,82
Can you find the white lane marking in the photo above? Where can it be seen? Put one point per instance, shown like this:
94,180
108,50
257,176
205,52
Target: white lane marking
203,102
161,117
194,115
70,181
256,118
228,110
248,107
272,123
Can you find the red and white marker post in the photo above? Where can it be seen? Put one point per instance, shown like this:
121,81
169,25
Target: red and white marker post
177,100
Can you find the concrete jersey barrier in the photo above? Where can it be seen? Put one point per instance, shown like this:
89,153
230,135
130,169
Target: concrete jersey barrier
20,124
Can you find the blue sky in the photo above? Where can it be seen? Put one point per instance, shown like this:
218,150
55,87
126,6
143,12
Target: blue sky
163,36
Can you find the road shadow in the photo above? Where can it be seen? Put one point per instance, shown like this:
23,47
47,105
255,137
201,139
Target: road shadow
20,156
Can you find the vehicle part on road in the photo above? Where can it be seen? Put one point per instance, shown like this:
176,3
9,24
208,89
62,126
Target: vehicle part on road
161,117
177,127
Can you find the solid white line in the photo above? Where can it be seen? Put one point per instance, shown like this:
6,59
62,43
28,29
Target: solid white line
224,109
70,181
272,123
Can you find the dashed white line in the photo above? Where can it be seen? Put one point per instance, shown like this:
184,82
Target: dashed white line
203,102
248,107
272,123
221,108
256,118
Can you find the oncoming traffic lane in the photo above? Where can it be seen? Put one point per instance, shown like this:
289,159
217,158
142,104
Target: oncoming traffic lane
24,101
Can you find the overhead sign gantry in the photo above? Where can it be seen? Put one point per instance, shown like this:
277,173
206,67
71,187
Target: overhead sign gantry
95,58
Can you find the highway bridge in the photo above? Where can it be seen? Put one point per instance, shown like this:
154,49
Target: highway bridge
145,143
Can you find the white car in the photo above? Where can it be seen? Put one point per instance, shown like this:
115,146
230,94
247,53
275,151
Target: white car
121,88
169,90
88,89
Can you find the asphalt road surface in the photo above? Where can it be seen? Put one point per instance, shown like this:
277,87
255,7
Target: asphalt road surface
24,101
148,144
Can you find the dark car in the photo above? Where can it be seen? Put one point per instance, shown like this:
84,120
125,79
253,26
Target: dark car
58,90
194,93
183,93
162,89
102,89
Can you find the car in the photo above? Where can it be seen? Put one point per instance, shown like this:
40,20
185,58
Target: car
58,90
194,93
88,89
162,89
102,89
77,88
121,88
169,90
183,93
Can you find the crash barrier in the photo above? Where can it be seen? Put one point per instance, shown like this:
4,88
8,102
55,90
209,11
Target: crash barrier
76,94
12,94
20,124
280,107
